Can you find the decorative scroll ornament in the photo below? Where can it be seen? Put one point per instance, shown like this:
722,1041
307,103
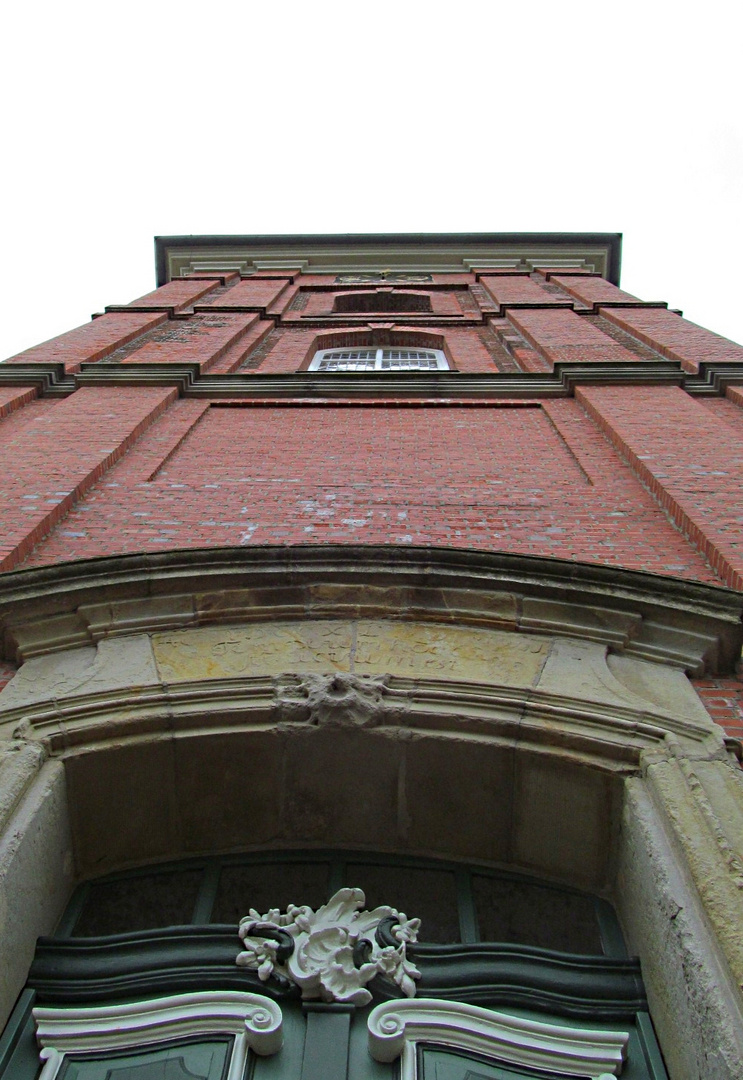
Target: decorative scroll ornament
331,953
254,1021
396,1027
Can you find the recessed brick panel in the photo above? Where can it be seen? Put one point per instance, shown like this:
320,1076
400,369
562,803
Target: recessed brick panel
526,479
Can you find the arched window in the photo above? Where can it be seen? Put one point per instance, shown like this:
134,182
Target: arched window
382,300
379,359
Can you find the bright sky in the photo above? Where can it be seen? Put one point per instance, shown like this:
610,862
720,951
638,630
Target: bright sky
122,121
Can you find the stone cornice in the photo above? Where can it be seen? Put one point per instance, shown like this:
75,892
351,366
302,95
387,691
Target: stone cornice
446,387
685,624
417,252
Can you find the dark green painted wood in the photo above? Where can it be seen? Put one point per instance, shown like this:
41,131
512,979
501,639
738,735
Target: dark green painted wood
612,939
650,1049
438,1064
144,964
192,1059
560,983
467,916
204,905
18,1050
73,911
326,1041
338,864
195,958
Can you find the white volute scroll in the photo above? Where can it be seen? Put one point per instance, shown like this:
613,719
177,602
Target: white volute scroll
395,1027
254,1021
331,953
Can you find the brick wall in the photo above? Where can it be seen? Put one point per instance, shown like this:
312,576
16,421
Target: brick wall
690,460
91,342
57,457
723,700
674,337
638,476
537,479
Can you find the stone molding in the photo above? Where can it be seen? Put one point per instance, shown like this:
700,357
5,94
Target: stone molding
50,379
395,1027
421,252
680,623
612,738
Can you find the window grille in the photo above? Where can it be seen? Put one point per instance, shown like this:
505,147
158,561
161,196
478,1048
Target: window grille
334,360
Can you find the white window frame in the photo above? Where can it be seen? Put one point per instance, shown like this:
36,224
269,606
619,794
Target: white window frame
385,358
396,1027
254,1021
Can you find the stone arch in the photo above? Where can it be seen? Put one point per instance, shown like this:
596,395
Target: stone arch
520,712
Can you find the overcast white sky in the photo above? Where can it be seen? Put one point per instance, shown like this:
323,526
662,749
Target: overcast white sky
122,121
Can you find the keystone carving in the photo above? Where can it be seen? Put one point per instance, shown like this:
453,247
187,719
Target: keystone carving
332,953
338,700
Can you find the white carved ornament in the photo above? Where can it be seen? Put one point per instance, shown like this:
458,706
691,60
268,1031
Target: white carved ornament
322,961
255,1021
396,1026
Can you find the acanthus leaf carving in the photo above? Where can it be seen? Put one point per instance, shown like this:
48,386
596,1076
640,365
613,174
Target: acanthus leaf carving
332,953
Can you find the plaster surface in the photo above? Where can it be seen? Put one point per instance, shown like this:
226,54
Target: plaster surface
359,646
36,876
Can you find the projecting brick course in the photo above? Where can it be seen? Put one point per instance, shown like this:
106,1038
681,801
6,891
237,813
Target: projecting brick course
512,291
60,454
176,295
202,339
14,397
690,460
674,337
563,337
592,291
253,294
91,342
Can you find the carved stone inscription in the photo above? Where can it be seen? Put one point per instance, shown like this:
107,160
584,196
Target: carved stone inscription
363,647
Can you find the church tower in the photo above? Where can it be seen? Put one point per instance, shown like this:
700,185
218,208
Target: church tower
370,613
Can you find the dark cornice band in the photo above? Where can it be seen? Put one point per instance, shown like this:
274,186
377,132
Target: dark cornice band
52,380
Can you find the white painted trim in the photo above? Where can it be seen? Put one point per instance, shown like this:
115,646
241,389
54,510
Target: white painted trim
322,961
255,1021
395,1027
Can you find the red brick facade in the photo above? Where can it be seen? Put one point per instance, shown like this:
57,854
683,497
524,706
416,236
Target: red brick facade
148,445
